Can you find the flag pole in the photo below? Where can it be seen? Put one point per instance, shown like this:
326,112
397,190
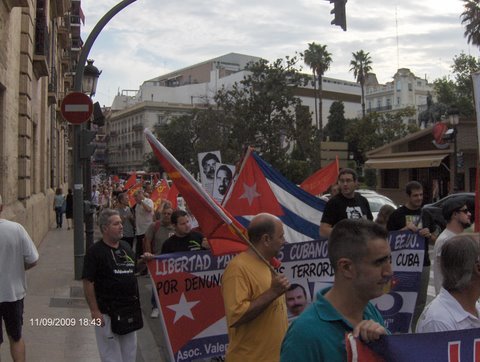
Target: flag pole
202,193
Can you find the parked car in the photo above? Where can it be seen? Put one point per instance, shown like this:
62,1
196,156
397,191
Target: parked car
375,200
434,210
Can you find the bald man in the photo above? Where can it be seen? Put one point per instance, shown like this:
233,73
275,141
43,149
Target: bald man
254,297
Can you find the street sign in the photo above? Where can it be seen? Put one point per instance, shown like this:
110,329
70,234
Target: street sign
76,107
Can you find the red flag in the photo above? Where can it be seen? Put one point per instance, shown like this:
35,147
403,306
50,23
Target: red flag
217,224
357,351
131,181
131,192
477,199
251,194
159,193
321,180
172,196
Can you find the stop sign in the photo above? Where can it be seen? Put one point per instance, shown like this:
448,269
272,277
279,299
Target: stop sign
76,107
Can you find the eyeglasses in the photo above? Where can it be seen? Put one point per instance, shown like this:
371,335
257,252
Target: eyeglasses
465,211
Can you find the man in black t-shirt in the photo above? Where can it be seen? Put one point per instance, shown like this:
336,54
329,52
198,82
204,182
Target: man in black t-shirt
348,204
409,217
108,277
184,238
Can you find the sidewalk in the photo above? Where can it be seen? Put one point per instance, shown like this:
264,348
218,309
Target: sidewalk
52,292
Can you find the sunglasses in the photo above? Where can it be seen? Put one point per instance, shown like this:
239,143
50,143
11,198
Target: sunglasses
465,211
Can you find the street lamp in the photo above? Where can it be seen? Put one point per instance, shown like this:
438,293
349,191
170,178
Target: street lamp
453,118
90,78
78,217
89,86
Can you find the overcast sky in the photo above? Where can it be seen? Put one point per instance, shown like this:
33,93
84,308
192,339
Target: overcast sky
153,37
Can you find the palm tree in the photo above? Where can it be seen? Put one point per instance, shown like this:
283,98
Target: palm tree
360,65
318,59
471,19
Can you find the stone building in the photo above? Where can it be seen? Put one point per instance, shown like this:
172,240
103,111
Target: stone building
405,90
40,40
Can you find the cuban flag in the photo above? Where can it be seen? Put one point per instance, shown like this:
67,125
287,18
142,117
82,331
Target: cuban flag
258,188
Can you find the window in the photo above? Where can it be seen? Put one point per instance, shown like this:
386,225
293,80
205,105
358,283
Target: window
398,101
399,86
410,87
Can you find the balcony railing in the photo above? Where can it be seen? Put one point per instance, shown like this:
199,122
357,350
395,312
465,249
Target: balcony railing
380,109
41,56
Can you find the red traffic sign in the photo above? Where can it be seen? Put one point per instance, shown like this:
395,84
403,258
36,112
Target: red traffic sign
76,107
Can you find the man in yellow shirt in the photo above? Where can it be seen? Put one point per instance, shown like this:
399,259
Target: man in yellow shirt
254,297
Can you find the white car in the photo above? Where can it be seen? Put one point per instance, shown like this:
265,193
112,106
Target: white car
376,201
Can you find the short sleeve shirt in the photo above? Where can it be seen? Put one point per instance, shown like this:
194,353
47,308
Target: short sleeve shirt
112,272
340,207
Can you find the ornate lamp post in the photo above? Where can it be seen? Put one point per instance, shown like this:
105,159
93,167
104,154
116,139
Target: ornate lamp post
89,86
78,217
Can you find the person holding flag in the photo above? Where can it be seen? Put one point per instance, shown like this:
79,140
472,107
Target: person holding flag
253,295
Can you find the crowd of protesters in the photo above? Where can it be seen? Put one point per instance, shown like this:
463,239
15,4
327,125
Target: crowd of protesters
260,303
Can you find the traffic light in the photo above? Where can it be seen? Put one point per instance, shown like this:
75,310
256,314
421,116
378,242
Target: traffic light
338,11
86,147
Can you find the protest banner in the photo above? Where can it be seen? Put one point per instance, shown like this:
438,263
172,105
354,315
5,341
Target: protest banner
450,346
191,304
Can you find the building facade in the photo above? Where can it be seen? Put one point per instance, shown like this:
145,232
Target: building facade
406,90
416,157
181,91
40,42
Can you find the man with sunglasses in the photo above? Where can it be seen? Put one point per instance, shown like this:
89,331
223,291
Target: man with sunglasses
457,215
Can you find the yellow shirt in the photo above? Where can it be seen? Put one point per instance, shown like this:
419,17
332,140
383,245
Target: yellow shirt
245,279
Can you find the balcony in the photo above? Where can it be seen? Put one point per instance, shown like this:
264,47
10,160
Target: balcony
77,44
137,127
113,134
380,109
40,57
137,144
52,87
58,8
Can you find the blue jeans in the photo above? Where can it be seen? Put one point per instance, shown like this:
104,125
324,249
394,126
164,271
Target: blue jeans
59,216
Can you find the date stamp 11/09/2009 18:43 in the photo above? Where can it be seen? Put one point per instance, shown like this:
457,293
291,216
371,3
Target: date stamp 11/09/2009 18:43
65,322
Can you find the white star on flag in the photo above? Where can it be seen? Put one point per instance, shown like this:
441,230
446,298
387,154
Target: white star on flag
250,192
183,308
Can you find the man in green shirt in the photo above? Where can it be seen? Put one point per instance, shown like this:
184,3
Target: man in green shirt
360,255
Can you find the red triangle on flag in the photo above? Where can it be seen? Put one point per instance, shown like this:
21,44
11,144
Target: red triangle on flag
187,313
251,194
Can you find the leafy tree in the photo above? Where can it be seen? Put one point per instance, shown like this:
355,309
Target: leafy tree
318,59
471,20
260,111
361,65
458,92
336,126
